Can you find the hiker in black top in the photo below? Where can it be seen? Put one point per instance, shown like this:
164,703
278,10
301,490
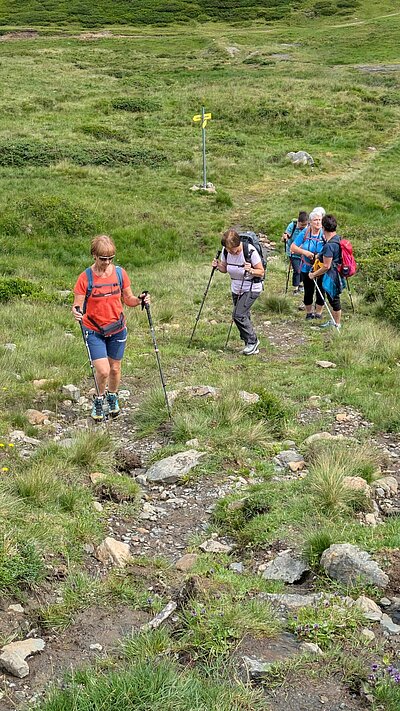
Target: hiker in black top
330,258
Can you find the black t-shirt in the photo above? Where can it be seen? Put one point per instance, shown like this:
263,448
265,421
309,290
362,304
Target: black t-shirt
331,249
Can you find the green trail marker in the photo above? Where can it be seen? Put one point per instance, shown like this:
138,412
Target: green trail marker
203,118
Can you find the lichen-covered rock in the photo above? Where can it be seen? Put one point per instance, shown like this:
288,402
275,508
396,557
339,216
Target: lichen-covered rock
347,563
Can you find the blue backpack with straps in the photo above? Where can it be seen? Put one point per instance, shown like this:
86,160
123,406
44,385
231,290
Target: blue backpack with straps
116,326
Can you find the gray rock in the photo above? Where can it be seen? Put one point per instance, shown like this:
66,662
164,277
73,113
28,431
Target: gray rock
250,398
255,668
10,347
286,568
172,469
347,563
13,656
18,609
288,444
385,602
289,455
370,609
292,601
236,567
321,436
300,158
72,392
158,620
311,648
96,647
213,546
388,625
368,635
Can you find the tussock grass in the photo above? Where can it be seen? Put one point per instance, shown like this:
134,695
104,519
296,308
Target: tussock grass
328,488
92,451
276,304
20,565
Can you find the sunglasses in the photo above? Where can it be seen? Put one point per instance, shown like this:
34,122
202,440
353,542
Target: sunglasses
106,259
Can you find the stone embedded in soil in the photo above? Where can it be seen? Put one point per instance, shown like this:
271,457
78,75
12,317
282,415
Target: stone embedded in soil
346,563
13,656
388,484
172,469
367,634
113,551
287,456
292,601
285,567
35,417
18,609
95,477
250,398
187,562
321,436
71,392
325,364
371,610
357,483
388,625
158,620
236,567
311,648
213,546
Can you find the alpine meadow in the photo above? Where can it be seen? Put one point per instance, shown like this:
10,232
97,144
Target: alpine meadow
231,540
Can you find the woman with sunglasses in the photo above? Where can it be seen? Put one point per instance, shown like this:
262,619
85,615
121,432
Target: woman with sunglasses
99,294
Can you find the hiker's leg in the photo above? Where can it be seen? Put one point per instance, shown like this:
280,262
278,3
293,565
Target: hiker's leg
102,369
114,378
336,308
115,351
98,353
319,300
242,317
296,266
309,288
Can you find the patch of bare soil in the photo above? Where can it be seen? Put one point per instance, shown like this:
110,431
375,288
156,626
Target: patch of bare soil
19,35
303,694
71,650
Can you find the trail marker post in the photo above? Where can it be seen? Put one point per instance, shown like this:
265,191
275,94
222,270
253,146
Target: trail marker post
203,118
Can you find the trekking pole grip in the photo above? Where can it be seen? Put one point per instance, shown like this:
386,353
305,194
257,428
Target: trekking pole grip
142,297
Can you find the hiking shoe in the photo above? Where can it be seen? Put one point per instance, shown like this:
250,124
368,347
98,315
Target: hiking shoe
97,410
318,316
251,348
113,404
309,317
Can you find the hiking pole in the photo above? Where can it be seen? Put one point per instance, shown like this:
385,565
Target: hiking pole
153,335
325,303
350,295
287,277
234,311
92,368
204,298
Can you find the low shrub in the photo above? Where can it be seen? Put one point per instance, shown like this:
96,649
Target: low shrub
270,408
103,133
11,288
136,105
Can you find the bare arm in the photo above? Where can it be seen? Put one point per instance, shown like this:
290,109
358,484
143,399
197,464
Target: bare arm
131,300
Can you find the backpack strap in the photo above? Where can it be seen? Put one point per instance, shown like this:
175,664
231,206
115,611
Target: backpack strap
293,228
89,288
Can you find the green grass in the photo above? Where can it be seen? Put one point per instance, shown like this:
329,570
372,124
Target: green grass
97,136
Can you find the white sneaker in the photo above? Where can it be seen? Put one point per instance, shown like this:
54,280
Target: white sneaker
251,348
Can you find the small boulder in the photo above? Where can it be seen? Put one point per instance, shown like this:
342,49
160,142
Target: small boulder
250,398
17,609
357,483
311,648
371,610
347,563
10,347
287,456
300,158
71,392
172,469
13,656
35,417
325,364
321,436
367,634
187,562
388,625
213,546
389,485
285,567
113,551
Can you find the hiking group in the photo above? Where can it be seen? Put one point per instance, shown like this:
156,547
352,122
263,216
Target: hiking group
316,254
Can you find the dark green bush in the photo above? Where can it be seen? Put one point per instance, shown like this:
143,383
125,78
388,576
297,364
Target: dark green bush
136,105
103,133
379,268
11,288
270,408
24,153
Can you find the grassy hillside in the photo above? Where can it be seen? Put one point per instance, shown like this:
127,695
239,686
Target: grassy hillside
96,135
105,12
